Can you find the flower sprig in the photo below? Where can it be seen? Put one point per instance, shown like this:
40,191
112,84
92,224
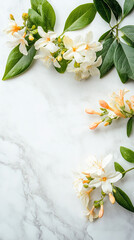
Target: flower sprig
37,35
118,108
100,176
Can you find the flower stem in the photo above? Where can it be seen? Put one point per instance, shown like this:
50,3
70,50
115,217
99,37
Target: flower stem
128,170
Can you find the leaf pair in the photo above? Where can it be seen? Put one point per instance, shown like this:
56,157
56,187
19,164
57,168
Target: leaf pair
120,196
104,8
42,14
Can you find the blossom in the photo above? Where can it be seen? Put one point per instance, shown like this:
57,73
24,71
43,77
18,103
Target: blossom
12,28
19,39
118,108
86,69
74,49
103,173
47,58
46,40
91,215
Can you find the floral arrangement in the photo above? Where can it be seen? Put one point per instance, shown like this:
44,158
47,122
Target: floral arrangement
100,176
118,108
37,34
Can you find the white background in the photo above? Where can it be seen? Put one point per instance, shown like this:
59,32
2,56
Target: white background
44,135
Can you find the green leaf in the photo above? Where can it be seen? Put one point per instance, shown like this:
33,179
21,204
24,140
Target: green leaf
103,10
119,168
80,17
36,19
122,199
127,154
123,60
48,15
128,6
63,65
17,62
128,31
105,36
115,7
128,41
129,126
107,54
35,4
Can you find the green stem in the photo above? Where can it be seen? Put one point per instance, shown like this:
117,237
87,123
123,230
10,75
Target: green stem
128,170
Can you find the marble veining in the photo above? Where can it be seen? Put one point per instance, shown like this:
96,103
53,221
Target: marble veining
44,136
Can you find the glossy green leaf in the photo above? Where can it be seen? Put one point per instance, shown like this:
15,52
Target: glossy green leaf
128,6
119,168
105,36
80,17
128,41
115,8
103,10
128,31
35,5
124,63
36,19
122,199
129,126
48,15
17,62
127,154
107,54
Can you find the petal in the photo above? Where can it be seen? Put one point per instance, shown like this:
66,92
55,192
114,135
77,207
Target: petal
78,57
68,55
106,187
98,62
68,42
23,49
77,40
115,178
85,75
107,160
52,47
89,37
56,64
94,71
40,43
41,32
78,76
52,35
95,183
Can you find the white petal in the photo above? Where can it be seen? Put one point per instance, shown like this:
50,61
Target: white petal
52,47
89,37
41,32
23,49
98,62
52,35
95,183
40,43
78,76
106,187
56,64
68,42
94,71
77,40
116,177
78,57
68,55
107,160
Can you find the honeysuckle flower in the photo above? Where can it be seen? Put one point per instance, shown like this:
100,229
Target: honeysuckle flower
90,45
118,108
12,28
46,57
19,39
46,40
103,173
74,49
84,70
91,215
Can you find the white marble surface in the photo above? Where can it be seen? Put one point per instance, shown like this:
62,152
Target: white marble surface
44,136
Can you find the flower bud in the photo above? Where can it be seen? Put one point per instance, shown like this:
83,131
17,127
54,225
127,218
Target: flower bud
95,125
59,58
62,52
11,17
33,27
106,124
59,40
104,104
90,111
101,212
111,198
25,16
31,38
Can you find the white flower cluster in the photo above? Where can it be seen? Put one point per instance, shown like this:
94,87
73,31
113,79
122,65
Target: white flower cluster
82,52
98,174
79,53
